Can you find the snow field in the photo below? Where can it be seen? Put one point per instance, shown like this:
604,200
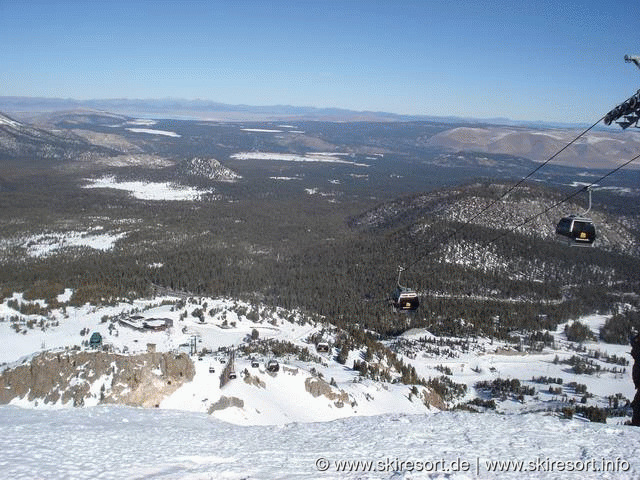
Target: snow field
152,131
290,157
285,398
487,361
150,190
44,244
281,431
126,443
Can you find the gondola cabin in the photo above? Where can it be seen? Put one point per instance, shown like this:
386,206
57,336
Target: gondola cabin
578,231
96,340
273,366
405,299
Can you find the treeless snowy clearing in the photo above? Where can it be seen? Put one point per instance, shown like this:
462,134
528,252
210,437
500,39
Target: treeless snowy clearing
150,190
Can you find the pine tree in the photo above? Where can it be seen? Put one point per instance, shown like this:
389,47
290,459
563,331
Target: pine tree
343,354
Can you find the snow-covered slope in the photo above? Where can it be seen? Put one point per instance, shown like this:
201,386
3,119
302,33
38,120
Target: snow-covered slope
125,443
485,360
264,399
315,417
309,387
313,386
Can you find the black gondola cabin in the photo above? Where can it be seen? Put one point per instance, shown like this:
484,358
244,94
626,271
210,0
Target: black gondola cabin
405,299
579,231
273,366
96,340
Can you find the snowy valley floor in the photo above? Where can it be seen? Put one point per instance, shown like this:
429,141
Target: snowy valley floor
128,443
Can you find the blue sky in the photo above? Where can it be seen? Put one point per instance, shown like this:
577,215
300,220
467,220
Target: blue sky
526,60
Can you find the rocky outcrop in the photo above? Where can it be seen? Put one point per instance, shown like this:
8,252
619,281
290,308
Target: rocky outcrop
97,378
432,399
206,168
226,402
316,387
255,381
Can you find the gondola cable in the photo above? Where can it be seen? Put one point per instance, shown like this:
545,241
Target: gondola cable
533,172
587,235
503,195
412,294
564,200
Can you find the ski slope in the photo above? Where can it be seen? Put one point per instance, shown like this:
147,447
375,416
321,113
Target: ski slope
275,428
126,443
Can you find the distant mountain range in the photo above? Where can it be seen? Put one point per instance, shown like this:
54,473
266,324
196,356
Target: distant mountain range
38,128
593,150
177,108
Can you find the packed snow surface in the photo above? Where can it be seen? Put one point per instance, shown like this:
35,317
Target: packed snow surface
279,429
128,443
150,190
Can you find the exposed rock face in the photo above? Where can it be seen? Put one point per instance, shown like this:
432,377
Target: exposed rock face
432,399
226,402
255,381
137,380
316,387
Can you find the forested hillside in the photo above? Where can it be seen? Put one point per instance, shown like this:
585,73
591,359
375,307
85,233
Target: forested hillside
321,223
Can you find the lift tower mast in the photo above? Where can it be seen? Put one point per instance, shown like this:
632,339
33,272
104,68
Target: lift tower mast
627,113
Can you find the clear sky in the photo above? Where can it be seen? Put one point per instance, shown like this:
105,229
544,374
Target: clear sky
526,60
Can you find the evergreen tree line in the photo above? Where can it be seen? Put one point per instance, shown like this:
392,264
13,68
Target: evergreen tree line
301,253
